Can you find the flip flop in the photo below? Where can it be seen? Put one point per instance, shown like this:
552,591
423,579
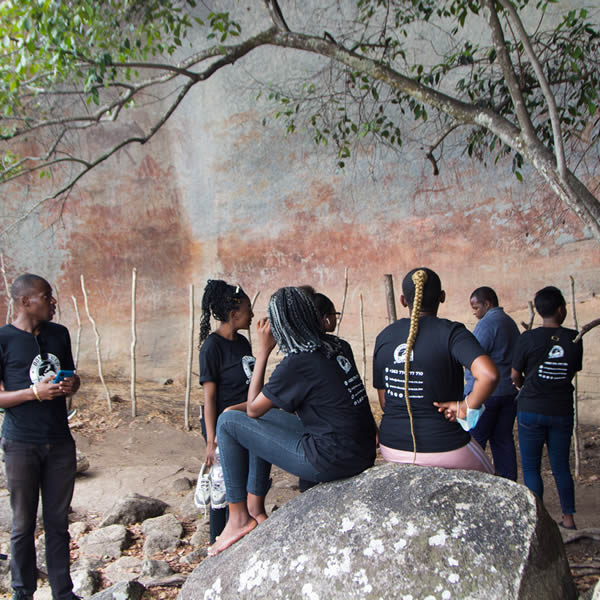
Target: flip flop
568,527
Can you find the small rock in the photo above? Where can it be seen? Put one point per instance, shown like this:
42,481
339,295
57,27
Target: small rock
134,509
85,582
125,590
91,563
165,524
77,529
187,509
105,542
160,542
83,463
125,568
156,568
165,381
193,558
183,484
199,537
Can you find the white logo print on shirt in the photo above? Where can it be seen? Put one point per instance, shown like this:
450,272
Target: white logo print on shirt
344,363
552,368
42,367
248,366
400,354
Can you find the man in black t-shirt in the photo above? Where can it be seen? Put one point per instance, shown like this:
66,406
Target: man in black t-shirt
39,451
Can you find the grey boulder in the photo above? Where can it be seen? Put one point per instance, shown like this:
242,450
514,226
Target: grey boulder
397,532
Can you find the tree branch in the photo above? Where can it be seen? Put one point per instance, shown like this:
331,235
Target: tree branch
507,69
276,15
547,92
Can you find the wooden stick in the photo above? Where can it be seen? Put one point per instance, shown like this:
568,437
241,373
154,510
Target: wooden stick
531,314
364,345
337,331
576,447
78,337
252,303
390,298
586,328
87,310
188,379
77,340
57,303
133,341
9,309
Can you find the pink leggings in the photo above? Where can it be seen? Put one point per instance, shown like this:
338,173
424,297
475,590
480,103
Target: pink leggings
470,457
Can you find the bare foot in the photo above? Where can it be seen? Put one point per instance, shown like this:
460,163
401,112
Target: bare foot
260,518
231,535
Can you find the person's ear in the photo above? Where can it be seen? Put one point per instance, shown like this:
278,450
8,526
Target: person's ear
442,297
403,301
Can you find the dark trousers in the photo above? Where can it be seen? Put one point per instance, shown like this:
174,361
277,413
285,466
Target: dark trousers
51,469
496,426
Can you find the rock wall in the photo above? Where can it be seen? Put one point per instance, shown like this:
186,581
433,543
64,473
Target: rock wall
222,192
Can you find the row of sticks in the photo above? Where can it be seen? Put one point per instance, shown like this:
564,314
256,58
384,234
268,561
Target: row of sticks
392,316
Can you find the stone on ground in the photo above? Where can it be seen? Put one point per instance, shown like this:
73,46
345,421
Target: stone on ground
134,509
397,531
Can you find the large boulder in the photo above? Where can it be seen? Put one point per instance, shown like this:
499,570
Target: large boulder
397,531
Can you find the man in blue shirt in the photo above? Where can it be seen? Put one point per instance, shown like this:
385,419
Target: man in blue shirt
498,334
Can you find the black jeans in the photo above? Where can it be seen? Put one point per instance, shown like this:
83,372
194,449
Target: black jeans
50,468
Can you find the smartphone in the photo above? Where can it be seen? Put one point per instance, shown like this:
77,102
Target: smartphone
63,374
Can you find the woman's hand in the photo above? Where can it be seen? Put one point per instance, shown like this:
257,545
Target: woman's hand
452,410
209,459
266,341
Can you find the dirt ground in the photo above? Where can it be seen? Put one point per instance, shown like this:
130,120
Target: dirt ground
152,453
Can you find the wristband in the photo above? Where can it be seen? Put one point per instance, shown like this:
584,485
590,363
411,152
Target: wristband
35,391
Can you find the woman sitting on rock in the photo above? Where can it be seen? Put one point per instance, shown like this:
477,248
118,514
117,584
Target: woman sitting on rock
418,372
325,431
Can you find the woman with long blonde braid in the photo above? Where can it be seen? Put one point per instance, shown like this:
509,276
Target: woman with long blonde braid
418,372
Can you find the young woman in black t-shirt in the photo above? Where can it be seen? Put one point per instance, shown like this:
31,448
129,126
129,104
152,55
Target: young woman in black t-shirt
325,431
544,364
418,372
226,364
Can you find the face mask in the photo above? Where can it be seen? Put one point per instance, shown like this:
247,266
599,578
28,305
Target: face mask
473,415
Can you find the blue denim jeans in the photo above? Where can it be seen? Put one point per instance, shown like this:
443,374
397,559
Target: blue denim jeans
249,446
535,430
50,468
496,426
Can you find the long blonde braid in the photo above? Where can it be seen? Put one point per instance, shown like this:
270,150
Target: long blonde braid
419,278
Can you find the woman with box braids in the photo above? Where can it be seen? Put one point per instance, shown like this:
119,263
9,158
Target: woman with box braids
226,364
418,372
325,430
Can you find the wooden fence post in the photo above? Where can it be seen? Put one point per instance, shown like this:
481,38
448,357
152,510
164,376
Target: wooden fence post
87,310
390,298
133,341
188,379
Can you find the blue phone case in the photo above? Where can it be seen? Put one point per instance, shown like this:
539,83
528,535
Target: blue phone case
63,375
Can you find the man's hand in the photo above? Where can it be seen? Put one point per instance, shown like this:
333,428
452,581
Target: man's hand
47,390
69,385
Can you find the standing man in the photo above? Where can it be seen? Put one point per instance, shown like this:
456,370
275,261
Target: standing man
39,451
498,334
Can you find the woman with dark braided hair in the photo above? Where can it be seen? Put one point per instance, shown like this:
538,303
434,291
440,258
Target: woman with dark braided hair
325,430
418,372
226,364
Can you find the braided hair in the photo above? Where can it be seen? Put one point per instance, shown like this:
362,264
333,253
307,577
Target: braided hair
421,289
296,323
219,300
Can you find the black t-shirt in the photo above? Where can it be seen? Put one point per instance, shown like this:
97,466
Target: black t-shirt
441,350
329,397
229,364
549,359
27,359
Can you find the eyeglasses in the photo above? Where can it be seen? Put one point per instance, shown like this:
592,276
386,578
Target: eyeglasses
337,314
